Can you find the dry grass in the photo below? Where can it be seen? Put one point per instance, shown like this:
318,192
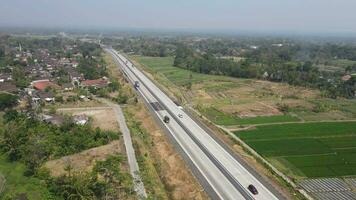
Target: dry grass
249,98
83,161
173,170
79,104
105,119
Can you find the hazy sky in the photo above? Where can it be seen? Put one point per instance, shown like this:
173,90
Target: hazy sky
252,15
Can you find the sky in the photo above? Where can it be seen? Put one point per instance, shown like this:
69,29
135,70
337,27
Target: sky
337,16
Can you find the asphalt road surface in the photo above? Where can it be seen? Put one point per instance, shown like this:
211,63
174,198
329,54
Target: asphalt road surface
224,174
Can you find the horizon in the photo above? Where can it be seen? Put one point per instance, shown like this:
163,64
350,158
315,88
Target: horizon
107,31
273,17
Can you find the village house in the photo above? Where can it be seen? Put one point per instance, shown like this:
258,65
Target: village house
43,96
44,84
80,119
75,63
74,75
346,77
67,87
5,77
53,119
64,62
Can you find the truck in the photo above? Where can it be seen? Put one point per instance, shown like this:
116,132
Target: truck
137,84
166,119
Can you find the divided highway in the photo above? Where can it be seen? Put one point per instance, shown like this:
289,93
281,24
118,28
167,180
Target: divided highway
225,176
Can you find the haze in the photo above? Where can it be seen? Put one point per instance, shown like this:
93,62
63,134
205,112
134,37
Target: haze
251,15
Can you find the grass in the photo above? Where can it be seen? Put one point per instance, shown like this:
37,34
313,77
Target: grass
313,149
222,118
342,63
17,183
178,76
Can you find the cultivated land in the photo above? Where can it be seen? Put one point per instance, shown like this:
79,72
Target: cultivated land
235,102
307,150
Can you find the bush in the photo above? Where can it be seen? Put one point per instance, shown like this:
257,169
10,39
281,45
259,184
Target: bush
122,99
283,107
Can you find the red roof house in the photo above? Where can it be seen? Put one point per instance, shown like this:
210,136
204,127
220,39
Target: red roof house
43,84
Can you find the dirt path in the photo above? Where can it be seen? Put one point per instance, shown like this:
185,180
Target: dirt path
130,151
234,128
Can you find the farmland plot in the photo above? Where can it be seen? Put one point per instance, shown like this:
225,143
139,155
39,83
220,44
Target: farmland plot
307,150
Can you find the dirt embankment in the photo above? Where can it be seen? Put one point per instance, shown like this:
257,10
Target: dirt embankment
83,161
173,171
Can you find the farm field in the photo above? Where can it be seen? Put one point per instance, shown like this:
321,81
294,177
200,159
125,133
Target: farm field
307,150
222,118
231,101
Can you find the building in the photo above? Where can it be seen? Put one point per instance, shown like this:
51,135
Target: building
38,96
5,77
53,119
67,87
44,84
346,77
80,119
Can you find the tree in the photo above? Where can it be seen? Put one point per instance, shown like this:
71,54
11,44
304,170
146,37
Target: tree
13,136
20,78
7,100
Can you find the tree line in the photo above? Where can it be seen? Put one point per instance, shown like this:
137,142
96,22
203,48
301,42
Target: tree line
277,66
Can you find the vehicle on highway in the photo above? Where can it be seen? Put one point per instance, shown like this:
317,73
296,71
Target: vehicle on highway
137,84
166,119
180,115
252,189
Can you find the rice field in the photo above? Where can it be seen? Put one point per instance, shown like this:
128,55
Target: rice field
324,149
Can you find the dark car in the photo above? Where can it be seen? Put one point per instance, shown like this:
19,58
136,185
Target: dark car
166,119
137,84
252,189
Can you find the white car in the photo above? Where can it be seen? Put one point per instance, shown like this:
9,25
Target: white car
180,115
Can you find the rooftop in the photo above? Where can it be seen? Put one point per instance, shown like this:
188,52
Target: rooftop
43,84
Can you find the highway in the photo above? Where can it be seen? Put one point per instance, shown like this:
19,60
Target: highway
226,177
